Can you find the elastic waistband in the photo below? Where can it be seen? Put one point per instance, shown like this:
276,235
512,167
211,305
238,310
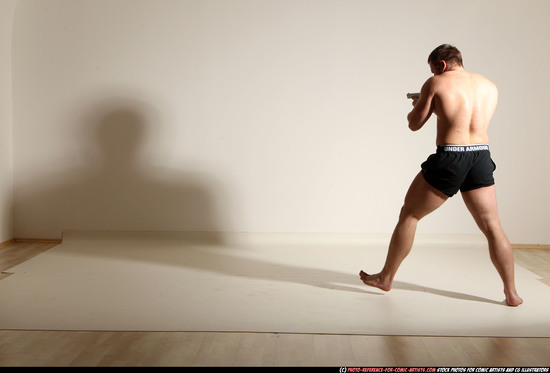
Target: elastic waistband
462,148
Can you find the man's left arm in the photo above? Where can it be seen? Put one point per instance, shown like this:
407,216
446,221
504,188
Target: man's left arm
422,107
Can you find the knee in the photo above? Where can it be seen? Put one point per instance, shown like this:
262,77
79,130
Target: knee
491,229
407,214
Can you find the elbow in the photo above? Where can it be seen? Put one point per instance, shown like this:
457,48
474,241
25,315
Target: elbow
414,127
413,122
417,120
416,123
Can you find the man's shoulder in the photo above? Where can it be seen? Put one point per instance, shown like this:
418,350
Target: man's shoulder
482,81
435,83
430,82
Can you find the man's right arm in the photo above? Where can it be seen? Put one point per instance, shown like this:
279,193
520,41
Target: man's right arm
423,107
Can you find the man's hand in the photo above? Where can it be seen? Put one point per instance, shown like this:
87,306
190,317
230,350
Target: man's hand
414,97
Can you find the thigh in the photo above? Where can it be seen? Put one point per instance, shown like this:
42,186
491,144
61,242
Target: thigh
482,204
422,198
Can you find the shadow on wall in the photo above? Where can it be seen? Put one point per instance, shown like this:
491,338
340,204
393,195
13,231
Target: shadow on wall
118,187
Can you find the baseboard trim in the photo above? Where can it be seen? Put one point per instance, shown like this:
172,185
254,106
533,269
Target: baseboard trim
530,246
6,243
37,240
60,240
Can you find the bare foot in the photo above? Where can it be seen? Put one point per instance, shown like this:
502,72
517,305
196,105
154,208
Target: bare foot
513,299
375,280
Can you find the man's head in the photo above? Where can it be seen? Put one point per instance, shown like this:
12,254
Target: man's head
444,58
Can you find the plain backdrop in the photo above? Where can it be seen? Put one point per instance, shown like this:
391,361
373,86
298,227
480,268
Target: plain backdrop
256,115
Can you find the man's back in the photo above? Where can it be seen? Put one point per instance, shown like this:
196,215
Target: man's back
464,104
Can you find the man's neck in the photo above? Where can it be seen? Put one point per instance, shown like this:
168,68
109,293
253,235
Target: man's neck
454,68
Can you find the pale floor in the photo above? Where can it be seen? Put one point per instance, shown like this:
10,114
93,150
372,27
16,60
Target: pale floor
70,348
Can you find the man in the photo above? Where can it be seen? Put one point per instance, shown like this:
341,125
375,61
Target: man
464,104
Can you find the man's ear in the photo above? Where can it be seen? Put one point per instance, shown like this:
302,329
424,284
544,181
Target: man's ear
443,66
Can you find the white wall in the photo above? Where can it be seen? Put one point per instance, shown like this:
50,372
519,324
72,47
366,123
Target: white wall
7,9
262,115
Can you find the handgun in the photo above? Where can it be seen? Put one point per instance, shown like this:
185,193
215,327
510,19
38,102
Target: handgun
413,95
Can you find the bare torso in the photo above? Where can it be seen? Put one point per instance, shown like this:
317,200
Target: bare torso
464,104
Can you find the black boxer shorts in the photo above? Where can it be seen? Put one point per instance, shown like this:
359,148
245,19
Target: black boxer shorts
459,167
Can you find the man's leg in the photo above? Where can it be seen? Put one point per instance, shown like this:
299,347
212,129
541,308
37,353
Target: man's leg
482,204
421,199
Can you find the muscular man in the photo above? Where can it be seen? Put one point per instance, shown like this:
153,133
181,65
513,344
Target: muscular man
464,104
